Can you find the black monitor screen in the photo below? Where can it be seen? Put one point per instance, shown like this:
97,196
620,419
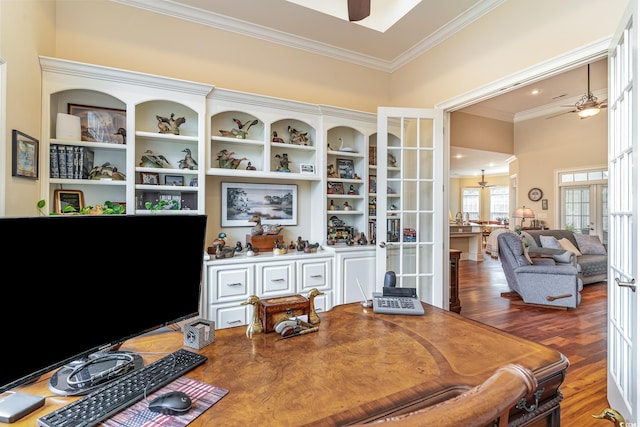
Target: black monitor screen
77,284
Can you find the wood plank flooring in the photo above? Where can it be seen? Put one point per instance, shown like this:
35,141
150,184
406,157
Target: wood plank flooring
580,334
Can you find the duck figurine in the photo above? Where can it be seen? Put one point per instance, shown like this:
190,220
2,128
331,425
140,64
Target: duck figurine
612,415
313,316
188,162
221,240
276,138
255,327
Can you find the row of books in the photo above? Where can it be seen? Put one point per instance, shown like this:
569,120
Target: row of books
70,161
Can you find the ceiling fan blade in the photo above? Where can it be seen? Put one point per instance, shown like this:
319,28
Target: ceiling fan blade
561,114
358,9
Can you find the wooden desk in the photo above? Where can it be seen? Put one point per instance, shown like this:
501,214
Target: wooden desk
359,367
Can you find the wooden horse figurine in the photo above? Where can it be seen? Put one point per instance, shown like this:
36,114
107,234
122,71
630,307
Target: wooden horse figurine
255,327
313,316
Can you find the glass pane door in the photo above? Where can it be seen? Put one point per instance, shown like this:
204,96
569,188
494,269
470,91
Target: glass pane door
409,221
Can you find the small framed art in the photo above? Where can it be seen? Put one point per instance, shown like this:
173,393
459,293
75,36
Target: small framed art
64,198
25,156
176,180
345,168
336,188
100,124
150,178
545,204
307,168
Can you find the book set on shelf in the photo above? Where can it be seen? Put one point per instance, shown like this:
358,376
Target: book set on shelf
71,161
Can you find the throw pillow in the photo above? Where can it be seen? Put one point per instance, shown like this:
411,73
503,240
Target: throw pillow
549,242
590,245
529,240
568,246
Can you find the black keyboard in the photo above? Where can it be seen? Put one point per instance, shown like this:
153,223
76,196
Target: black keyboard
122,392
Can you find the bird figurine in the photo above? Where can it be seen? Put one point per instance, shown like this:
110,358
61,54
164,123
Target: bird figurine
259,229
331,172
250,167
188,162
221,240
297,137
255,327
283,162
123,133
612,415
276,138
170,124
234,163
150,160
242,130
238,247
313,316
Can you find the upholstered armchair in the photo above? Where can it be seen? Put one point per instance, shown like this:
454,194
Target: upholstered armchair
550,281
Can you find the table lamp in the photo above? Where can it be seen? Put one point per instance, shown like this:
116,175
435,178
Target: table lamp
523,213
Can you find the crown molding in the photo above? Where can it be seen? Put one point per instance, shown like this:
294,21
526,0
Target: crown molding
226,23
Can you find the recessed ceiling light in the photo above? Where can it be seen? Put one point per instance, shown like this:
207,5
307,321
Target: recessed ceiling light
535,92
384,13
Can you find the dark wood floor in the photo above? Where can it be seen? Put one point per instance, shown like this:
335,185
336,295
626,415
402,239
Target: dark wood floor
580,334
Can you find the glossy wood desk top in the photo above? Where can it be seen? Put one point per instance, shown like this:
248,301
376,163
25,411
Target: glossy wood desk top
359,366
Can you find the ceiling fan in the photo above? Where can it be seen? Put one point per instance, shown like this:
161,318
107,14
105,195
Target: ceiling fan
588,105
358,9
484,184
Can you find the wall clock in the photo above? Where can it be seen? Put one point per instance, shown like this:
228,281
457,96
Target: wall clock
535,194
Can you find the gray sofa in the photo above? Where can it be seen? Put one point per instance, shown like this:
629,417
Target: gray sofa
592,262
539,281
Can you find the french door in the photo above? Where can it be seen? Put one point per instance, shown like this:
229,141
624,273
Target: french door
622,332
410,222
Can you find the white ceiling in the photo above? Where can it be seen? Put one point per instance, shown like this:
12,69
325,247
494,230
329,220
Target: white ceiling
424,26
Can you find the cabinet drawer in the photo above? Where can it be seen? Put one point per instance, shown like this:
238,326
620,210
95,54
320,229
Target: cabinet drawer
229,283
275,279
314,274
229,316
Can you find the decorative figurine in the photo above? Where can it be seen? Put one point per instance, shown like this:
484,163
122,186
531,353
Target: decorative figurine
171,124
276,138
242,130
313,316
123,133
346,206
331,172
255,327
250,250
362,240
238,247
352,190
259,229
221,240
329,188
188,162
283,162
300,245
250,167
297,137
151,160
227,161
391,160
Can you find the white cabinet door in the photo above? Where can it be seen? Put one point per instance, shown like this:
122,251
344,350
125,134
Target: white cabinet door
410,227
352,267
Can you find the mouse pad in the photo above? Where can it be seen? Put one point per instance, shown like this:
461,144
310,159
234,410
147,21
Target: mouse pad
203,396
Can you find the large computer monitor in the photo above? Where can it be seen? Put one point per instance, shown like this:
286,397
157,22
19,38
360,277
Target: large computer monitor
76,285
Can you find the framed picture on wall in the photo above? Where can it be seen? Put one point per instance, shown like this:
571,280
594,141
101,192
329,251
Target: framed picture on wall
345,168
274,203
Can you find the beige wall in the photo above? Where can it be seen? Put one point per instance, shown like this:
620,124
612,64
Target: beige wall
481,133
518,35
544,146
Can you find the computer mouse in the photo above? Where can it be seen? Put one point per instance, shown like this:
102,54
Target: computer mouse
171,403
